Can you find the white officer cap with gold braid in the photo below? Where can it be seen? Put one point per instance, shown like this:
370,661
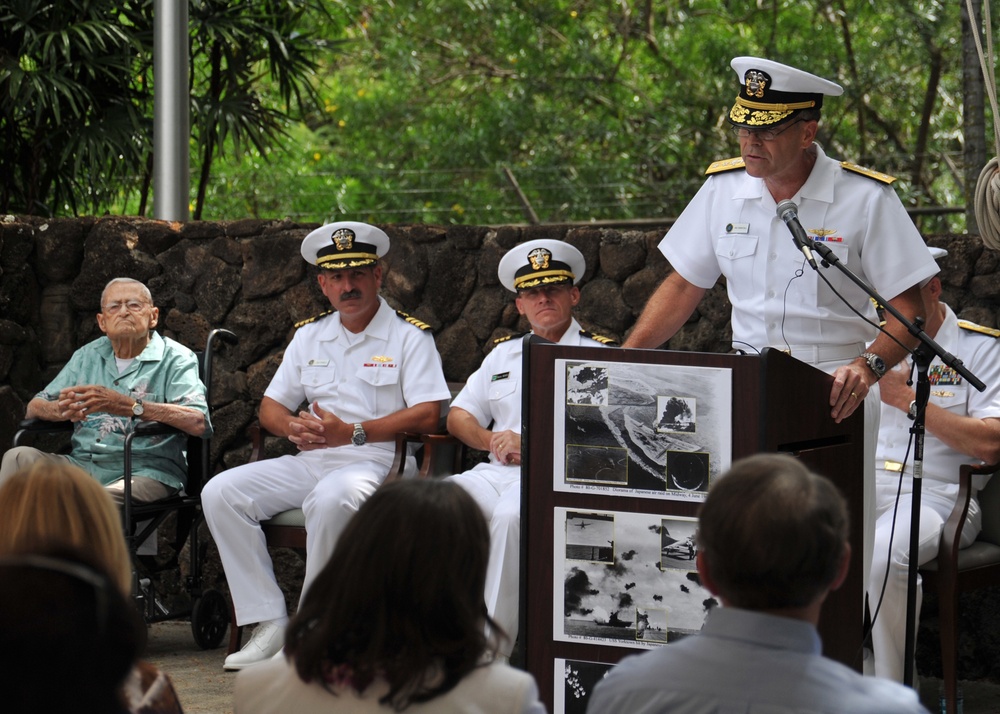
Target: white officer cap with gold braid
541,262
771,92
347,244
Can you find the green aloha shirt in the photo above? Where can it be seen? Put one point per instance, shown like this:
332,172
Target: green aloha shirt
165,372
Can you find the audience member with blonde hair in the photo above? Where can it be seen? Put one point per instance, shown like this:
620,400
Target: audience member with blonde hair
51,502
50,506
396,619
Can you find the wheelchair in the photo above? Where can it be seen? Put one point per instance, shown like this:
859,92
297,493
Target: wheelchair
208,609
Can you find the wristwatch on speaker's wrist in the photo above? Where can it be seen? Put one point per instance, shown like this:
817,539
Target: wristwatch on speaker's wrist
137,408
912,411
360,437
875,363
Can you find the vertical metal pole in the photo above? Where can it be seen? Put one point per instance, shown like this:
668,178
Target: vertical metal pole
171,111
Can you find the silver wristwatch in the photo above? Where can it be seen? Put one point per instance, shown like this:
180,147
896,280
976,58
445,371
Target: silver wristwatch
875,363
137,408
360,437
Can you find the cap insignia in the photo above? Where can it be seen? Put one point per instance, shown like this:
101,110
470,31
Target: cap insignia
343,238
756,82
539,258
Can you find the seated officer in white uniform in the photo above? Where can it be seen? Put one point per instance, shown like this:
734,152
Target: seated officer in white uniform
962,426
348,382
486,414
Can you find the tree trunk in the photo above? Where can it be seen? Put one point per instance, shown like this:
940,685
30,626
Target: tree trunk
973,116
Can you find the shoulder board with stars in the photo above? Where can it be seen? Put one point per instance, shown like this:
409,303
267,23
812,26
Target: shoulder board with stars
413,321
973,327
726,165
314,318
498,340
598,338
870,173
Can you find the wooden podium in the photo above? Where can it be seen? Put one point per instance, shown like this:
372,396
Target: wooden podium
778,404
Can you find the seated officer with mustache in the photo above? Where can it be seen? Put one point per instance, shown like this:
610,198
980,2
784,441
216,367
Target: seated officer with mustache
348,382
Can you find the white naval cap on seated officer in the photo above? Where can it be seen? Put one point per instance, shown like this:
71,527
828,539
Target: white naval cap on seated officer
539,263
771,92
344,245
937,254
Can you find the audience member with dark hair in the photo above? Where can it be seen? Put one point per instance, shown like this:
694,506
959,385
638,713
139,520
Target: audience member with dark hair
53,505
68,637
772,543
395,620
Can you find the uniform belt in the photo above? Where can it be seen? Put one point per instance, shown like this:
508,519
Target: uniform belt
812,354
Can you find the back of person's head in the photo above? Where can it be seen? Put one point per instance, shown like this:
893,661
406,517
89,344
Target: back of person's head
53,504
401,597
773,533
68,636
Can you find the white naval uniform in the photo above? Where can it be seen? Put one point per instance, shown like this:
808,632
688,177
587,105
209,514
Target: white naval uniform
493,394
939,488
730,228
390,366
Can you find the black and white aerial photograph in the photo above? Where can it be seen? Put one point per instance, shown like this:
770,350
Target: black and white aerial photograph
661,431
647,594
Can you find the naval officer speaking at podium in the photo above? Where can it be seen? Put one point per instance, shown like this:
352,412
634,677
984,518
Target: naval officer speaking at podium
731,228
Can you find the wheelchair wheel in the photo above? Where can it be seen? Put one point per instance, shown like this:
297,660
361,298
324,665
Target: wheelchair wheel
209,619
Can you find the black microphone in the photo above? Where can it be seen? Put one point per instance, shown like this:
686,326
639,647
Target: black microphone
789,213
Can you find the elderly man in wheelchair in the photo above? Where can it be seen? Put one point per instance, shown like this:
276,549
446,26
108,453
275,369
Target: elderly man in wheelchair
129,375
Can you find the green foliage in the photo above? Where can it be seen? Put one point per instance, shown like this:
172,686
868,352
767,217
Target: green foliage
403,112
69,129
605,110
76,102
235,45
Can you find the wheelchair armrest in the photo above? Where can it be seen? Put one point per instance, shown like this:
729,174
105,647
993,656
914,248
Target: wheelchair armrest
153,428
40,426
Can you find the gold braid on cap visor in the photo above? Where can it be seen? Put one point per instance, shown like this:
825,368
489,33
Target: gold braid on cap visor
764,114
349,260
546,278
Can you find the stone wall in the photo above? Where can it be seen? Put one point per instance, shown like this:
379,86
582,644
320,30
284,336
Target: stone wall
249,277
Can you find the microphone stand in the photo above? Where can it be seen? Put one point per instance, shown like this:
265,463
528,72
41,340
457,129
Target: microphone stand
923,355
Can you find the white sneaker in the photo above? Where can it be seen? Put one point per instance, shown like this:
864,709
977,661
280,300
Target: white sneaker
267,640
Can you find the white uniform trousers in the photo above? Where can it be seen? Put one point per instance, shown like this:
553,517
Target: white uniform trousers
936,502
328,484
497,490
